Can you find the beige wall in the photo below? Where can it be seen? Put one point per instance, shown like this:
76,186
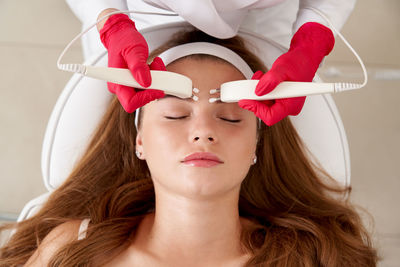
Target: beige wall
34,32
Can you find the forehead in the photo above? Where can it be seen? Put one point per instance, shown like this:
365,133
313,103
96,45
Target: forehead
206,73
214,69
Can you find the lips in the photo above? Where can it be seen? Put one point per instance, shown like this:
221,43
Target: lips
203,156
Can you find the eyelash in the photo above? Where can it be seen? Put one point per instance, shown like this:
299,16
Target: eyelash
177,118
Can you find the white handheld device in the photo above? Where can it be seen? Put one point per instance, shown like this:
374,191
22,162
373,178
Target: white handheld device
170,82
181,86
245,89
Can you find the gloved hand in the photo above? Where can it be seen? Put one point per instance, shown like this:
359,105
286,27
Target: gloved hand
127,48
310,44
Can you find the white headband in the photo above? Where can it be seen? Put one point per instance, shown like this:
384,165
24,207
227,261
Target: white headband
180,51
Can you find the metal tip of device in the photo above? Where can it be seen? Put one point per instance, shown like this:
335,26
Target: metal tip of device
195,98
196,90
214,99
213,91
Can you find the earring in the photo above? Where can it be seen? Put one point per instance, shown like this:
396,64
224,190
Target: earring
138,154
255,160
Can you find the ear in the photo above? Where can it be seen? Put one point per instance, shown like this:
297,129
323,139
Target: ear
258,131
139,142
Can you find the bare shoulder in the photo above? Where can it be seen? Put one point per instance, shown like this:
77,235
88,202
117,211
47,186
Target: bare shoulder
58,237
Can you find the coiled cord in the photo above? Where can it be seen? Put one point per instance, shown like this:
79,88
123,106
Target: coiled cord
343,86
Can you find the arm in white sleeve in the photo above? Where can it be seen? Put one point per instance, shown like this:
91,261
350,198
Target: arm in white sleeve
87,11
337,11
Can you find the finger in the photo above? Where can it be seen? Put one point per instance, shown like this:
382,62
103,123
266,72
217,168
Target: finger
157,64
141,73
136,60
259,109
257,75
125,94
116,61
294,105
141,98
268,114
112,87
247,104
277,112
267,83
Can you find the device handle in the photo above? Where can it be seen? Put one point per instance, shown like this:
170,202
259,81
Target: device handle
244,89
170,82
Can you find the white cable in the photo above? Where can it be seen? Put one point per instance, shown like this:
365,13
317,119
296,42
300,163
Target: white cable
339,87
79,68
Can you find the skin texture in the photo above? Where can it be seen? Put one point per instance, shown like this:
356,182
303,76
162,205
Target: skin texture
197,216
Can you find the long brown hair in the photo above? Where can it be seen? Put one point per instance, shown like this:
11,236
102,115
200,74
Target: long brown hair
299,220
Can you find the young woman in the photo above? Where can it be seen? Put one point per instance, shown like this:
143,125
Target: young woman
257,201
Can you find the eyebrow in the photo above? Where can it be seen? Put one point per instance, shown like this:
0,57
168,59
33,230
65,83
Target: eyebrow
167,96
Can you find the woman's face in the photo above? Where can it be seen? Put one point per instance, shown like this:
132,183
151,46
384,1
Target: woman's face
200,127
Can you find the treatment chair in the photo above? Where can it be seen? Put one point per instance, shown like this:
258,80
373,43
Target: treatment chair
83,102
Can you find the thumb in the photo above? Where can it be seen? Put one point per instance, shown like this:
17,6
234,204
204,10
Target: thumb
136,60
141,73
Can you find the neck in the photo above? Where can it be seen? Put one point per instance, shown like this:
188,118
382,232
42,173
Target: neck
194,230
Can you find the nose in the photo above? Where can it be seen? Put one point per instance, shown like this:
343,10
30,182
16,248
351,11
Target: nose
204,130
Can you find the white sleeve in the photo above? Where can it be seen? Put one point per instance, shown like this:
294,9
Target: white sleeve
87,11
207,15
337,11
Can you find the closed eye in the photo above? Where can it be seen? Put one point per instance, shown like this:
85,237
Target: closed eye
234,121
175,118
182,117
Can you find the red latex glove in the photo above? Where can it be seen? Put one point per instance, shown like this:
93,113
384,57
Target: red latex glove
127,48
310,44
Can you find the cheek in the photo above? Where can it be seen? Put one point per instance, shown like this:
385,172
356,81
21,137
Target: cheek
243,146
161,142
